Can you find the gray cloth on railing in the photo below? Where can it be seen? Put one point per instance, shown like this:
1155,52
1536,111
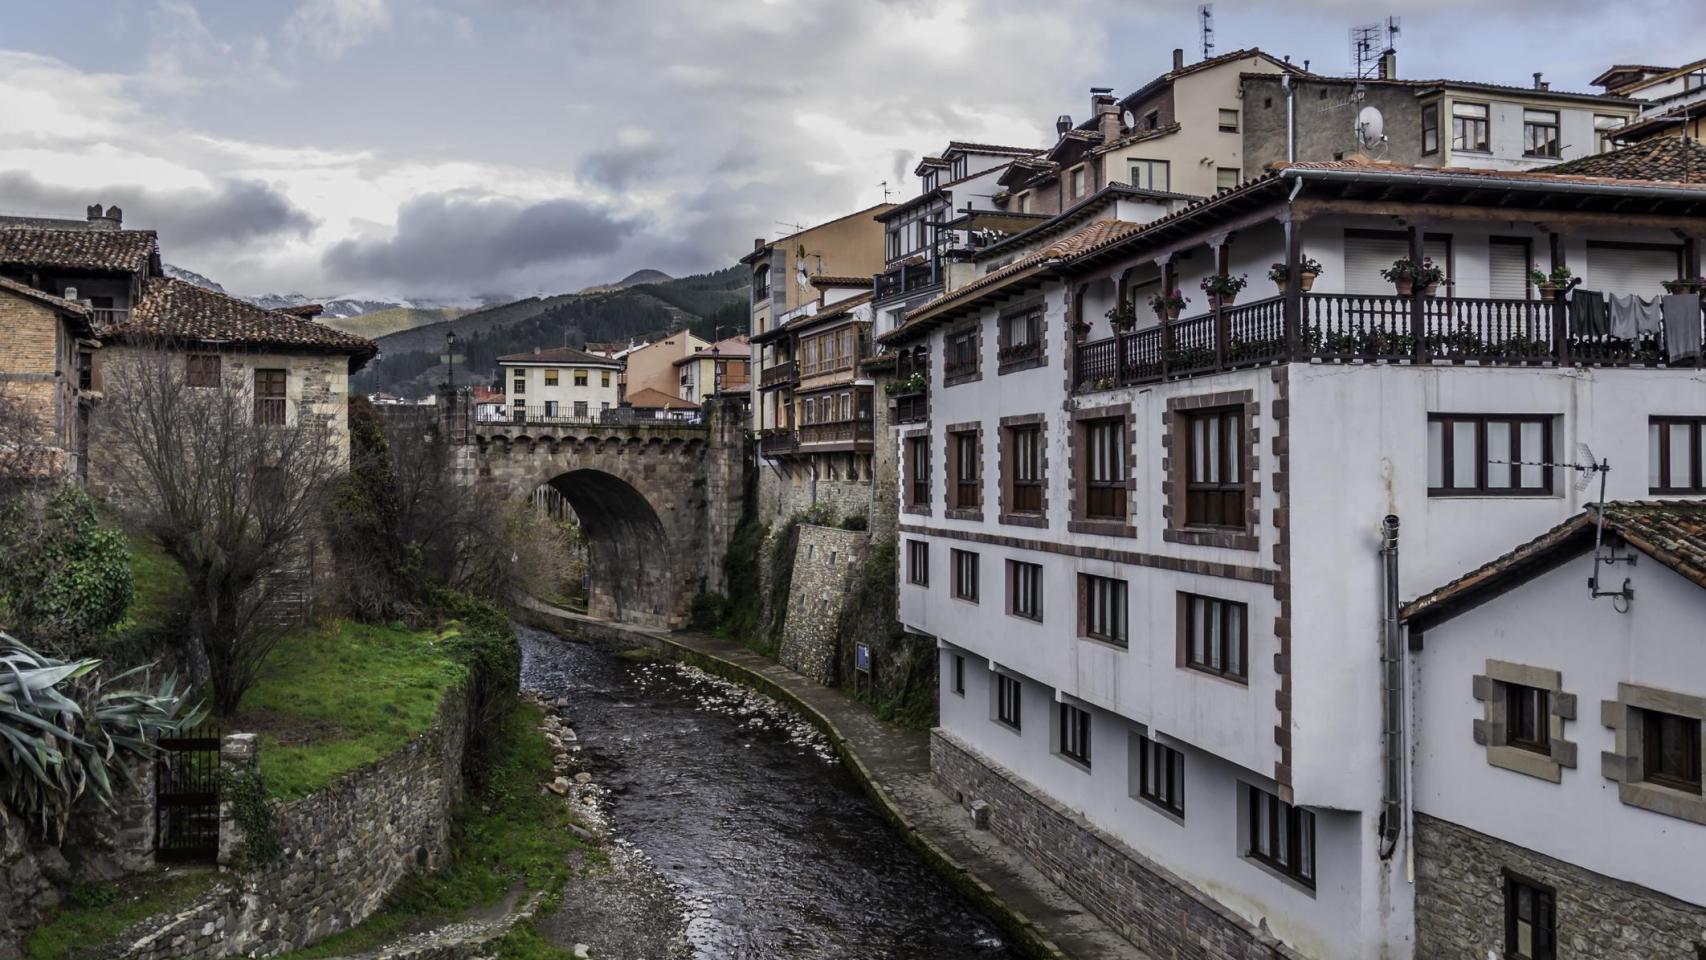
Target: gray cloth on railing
1682,324
1631,316
1591,318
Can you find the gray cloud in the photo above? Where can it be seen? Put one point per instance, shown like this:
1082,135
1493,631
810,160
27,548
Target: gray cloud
236,212
618,166
458,240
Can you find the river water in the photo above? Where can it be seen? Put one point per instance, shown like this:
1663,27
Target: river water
765,837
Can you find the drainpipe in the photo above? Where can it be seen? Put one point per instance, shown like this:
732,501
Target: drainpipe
1290,125
1391,695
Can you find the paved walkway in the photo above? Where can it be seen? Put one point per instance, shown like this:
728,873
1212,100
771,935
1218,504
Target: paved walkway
896,762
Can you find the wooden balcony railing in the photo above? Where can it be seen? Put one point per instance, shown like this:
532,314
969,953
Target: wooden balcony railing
1361,328
912,407
841,431
778,440
778,375
905,280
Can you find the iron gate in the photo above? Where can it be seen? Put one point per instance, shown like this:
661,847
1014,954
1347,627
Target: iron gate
186,797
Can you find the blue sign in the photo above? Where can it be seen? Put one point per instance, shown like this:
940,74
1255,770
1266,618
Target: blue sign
862,657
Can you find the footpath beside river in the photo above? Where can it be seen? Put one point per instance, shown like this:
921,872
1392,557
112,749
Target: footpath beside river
894,766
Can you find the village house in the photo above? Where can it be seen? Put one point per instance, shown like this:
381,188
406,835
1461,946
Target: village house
1115,523
46,381
552,383
651,366
652,404
1673,99
722,368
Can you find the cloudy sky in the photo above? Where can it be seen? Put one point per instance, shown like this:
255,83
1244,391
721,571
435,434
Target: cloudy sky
457,147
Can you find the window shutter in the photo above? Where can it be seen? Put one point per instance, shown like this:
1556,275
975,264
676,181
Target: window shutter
1507,268
1366,256
1622,270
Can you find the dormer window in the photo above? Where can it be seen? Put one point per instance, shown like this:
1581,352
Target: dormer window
930,181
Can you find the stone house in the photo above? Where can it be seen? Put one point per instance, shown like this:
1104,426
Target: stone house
46,379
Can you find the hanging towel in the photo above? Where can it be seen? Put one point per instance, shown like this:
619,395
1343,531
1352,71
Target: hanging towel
1682,324
1623,317
1649,316
1590,317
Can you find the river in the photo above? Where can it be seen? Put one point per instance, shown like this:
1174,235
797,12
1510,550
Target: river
764,836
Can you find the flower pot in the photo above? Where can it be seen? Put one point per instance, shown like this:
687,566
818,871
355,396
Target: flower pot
1173,313
1430,290
1305,281
1405,286
1216,300
1080,332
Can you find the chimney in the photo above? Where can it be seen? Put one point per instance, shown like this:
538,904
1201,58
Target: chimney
1062,124
1540,84
111,219
70,293
1389,64
1178,58
535,350
1106,110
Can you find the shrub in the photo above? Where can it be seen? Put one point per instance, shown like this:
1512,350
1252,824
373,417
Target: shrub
66,577
708,610
855,521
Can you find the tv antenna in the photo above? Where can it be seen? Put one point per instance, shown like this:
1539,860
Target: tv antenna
886,190
1587,467
1205,27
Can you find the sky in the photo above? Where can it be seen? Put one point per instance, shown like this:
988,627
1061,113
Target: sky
495,148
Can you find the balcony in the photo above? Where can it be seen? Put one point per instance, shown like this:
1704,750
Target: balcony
1359,328
780,375
908,278
843,431
912,406
106,318
775,440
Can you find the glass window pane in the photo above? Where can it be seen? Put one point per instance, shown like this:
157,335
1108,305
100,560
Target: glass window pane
1234,636
1679,455
1232,469
1498,454
1463,454
1211,434
1436,454
1655,435
1534,452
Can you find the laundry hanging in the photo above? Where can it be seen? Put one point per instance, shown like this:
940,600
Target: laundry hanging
1682,325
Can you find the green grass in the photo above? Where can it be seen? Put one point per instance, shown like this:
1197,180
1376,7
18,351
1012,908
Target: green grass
160,586
510,835
97,914
333,698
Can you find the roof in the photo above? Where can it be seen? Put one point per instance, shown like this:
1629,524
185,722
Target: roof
1662,158
130,251
834,311
1618,68
736,347
1672,532
306,311
1201,65
562,356
824,280
1663,74
1078,211
758,252
1478,86
179,310
967,147
652,399
61,304
1091,237
1645,126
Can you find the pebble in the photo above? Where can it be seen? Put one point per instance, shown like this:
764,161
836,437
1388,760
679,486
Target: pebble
582,777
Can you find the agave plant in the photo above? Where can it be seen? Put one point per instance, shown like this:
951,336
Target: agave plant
62,726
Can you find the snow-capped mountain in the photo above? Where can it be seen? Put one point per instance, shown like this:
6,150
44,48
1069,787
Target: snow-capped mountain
190,276
355,305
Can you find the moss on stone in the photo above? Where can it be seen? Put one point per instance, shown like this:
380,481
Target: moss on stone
100,913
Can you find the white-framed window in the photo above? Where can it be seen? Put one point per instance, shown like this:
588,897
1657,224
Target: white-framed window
1151,174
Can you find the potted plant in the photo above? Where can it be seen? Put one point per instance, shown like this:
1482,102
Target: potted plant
1222,289
1549,283
1080,331
913,384
1123,317
1685,285
1167,305
1308,269
1406,275
1018,351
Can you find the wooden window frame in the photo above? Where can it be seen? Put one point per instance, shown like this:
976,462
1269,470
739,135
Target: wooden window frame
1528,713
962,355
1430,127
1528,126
1161,776
197,372
1025,601
1687,778
918,473
1228,647
1106,442
1538,893
1696,469
1448,454
965,471
1090,612
1073,739
1296,825
1233,494
1485,123
1025,484
1009,701
272,409
964,572
918,563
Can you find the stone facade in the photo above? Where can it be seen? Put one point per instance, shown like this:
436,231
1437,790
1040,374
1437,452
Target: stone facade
1460,897
726,484
787,487
38,356
825,562
343,850
1145,902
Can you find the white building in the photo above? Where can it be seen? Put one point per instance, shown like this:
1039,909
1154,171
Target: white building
558,382
1151,558
1558,807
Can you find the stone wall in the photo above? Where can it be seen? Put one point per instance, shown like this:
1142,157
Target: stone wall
1146,903
788,487
343,849
1460,899
726,484
826,560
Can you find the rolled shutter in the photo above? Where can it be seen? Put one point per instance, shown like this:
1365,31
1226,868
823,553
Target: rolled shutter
1638,270
1507,269
1366,256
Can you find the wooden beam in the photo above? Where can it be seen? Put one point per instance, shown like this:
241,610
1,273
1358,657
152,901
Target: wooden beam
1570,218
1418,323
1293,288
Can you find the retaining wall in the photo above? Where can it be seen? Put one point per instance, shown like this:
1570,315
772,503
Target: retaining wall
826,560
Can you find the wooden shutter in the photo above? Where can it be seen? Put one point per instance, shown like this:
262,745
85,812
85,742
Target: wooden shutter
1507,269
1366,255
1641,270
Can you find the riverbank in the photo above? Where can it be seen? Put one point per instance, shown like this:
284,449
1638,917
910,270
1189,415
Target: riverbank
893,766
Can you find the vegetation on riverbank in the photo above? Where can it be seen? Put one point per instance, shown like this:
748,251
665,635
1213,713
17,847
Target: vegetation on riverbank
904,691
98,913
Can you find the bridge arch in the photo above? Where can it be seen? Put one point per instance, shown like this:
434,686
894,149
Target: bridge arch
630,574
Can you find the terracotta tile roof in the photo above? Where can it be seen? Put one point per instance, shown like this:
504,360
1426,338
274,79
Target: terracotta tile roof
993,148
59,303
306,311
1546,175
131,251
567,356
651,399
828,281
1663,158
728,348
1672,532
834,311
178,310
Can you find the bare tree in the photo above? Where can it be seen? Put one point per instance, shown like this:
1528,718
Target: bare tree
229,484
24,457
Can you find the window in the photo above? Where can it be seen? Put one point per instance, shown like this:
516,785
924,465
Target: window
1104,608
964,563
520,382
202,370
918,469
269,396
918,563
1469,127
580,409
1161,775
1007,700
1075,733
1151,175
1021,330
1528,718
1078,182
1105,469
1215,635
580,378
604,378
1540,133
1024,202
86,370
1676,455
1489,455
1530,920
1025,468
1603,128
1281,836
1430,128
1228,121
1225,178
550,378
959,675
550,408
1508,260
1215,491
518,411
761,283
960,354
1152,120
1025,590
1670,750
967,488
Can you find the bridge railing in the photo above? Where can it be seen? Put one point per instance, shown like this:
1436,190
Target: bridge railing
624,417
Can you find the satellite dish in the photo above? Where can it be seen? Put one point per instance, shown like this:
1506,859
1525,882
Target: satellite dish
1129,119
1371,126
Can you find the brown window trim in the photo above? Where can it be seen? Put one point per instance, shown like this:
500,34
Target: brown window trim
202,369
1696,437
1539,892
1015,591
1038,354
964,498
1526,728
1523,754
1175,427
1005,453
1448,454
966,372
1218,607
1687,777
272,406
1123,591
1081,521
918,563
1168,795
916,447
1627,762
1291,866
1073,739
963,585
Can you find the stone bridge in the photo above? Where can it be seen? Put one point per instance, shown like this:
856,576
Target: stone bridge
657,500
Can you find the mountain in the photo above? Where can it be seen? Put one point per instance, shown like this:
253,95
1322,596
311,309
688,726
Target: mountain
631,280
411,361
190,276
